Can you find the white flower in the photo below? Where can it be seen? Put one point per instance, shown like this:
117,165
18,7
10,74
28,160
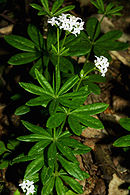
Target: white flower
102,64
68,22
28,187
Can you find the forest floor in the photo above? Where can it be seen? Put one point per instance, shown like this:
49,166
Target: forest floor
109,167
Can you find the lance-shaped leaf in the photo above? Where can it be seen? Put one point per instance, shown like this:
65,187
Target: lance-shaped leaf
35,35
73,184
33,88
64,9
125,123
40,101
75,125
93,28
24,158
38,65
36,6
67,152
123,141
39,147
24,58
2,147
20,43
34,167
43,82
51,38
22,110
100,4
112,45
48,187
59,186
35,129
56,119
45,5
71,168
56,5
33,138
91,109
68,84
53,106
96,78
46,174
52,155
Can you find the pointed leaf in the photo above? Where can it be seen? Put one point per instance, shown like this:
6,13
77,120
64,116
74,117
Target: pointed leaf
123,141
64,9
20,43
46,174
45,4
73,184
68,84
56,5
93,27
51,38
22,110
52,155
48,187
56,119
33,138
125,123
75,125
23,58
24,158
39,101
2,147
59,186
36,6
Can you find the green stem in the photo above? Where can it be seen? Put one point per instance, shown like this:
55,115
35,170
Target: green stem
78,84
101,19
57,69
63,42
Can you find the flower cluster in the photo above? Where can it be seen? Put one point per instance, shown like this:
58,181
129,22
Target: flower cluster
102,64
68,22
28,187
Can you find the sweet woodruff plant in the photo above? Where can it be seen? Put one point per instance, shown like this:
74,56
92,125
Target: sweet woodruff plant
61,88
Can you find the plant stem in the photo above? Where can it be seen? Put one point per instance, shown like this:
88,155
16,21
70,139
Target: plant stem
101,19
57,69
63,42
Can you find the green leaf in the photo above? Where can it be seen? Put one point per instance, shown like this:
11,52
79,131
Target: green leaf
56,119
12,144
73,184
46,174
88,67
53,106
2,147
123,141
70,192
17,192
33,88
33,138
95,4
36,6
111,35
93,28
23,58
22,110
96,78
64,9
4,164
109,6
51,37
42,13
20,43
38,147
115,10
35,129
43,82
56,5
71,168
52,155
48,187
75,125
100,4
45,5
35,35
125,123
99,51
59,186
67,152
38,65
112,45
39,101
91,109
34,167
24,158
69,84
94,88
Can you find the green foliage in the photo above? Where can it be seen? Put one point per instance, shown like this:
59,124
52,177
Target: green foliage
123,141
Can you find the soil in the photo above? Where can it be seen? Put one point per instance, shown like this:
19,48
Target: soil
108,167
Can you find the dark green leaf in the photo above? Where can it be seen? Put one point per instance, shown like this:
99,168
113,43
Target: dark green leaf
20,43
68,84
39,66
33,138
51,37
43,82
35,35
56,119
100,4
64,9
23,58
71,168
46,174
45,5
94,88
73,184
95,4
22,110
109,6
99,51
123,141
34,167
35,129
53,106
39,147
52,155
88,67
12,144
40,101
59,186
36,6
56,5
96,78
48,187
2,147
93,28
114,10
33,88
75,125
23,158
112,45
4,164
125,123
42,13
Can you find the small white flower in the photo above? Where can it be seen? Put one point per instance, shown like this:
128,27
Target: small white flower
102,64
68,22
28,187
